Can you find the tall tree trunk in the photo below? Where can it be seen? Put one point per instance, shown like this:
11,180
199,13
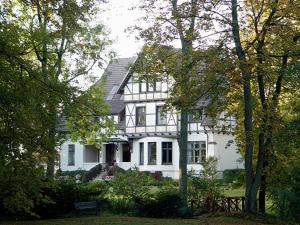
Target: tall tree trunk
251,191
183,159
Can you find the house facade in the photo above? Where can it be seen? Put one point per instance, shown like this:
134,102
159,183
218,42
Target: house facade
147,133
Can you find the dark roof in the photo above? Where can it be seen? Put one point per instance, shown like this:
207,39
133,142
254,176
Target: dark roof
113,76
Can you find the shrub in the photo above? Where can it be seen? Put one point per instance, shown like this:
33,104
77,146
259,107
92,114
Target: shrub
206,185
131,184
63,195
286,199
71,174
121,206
234,176
92,173
163,204
112,171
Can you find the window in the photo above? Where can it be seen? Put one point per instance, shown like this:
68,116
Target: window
142,86
149,86
152,153
91,154
141,153
126,153
196,152
141,116
161,118
71,155
166,152
195,116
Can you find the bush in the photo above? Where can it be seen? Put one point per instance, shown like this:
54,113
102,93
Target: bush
92,173
206,185
71,174
234,176
163,204
286,199
131,184
112,171
63,195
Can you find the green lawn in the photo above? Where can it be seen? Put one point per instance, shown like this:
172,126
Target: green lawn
125,220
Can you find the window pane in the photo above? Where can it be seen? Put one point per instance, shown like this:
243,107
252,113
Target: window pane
140,116
166,152
152,153
150,86
196,151
142,87
161,118
141,153
71,155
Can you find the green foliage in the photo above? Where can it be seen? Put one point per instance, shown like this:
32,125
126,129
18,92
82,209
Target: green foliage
71,174
286,199
92,173
164,203
131,184
64,194
206,184
235,177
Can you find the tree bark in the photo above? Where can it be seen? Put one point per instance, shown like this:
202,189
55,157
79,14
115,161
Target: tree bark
251,190
183,159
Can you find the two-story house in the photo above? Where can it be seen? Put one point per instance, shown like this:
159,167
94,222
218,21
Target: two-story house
147,135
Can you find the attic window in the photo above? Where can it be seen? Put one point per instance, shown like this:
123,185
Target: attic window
112,93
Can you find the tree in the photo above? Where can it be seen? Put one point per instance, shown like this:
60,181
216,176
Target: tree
171,20
39,43
63,45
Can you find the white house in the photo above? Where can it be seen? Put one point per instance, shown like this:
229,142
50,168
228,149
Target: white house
146,137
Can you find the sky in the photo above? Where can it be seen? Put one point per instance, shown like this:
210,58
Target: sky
118,17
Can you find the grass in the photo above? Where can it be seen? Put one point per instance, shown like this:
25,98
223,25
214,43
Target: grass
105,218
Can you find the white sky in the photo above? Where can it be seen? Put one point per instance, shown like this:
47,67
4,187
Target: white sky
118,17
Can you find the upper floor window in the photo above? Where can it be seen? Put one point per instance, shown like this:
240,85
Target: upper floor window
196,152
195,116
161,118
149,86
141,116
71,155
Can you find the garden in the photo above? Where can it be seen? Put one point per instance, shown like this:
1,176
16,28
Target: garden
133,196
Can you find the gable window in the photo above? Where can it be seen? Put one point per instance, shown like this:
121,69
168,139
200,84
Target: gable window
141,153
195,116
126,153
71,155
161,118
196,152
140,116
166,152
151,153
142,87
91,154
149,86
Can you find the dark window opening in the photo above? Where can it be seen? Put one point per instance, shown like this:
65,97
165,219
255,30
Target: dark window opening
166,152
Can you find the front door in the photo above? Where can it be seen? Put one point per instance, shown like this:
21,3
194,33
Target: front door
110,150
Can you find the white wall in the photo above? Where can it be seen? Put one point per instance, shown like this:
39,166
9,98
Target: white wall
79,158
228,156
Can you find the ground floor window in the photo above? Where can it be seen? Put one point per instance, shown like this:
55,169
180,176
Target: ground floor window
91,154
152,153
126,153
166,152
196,152
71,155
141,153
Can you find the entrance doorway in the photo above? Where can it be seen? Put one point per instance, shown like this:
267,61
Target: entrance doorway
110,154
